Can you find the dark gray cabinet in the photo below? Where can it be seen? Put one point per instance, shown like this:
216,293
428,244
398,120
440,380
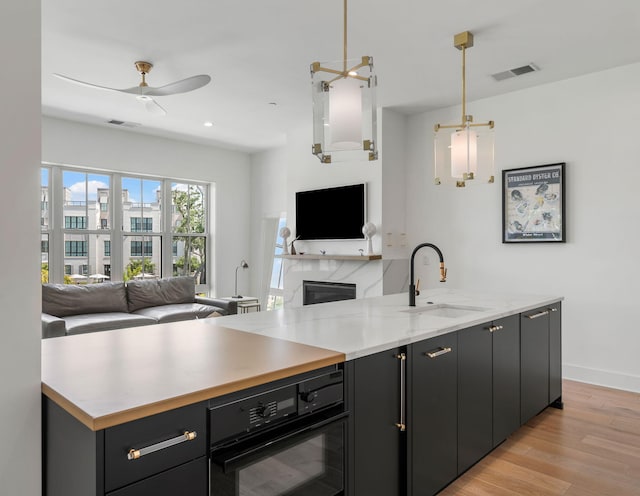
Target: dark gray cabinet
167,448
432,414
475,390
377,440
540,367
506,377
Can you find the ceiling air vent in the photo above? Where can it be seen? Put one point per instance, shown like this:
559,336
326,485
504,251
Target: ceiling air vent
518,71
116,122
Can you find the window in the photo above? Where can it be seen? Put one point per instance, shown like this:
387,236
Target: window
137,247
275,298
75,222
136,231
144,224
75,248
188,221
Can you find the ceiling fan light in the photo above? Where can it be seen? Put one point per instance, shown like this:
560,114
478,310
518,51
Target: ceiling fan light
144,98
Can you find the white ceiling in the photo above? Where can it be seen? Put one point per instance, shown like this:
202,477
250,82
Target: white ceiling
259,51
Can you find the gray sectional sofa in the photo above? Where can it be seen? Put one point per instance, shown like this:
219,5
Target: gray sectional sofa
70,309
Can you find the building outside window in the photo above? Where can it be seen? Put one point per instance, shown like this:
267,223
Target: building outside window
138,246
75,222
107,248
75,248
141,224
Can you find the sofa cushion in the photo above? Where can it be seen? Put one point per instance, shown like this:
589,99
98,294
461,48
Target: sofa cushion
168,291
179,311
93,322
62,300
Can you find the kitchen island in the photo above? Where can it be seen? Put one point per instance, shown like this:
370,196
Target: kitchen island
117,380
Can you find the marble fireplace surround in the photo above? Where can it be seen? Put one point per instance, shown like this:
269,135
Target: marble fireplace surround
371,277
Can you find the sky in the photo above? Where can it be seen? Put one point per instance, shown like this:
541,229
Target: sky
140,190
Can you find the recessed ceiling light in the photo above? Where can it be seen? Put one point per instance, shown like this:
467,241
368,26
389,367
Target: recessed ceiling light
208,124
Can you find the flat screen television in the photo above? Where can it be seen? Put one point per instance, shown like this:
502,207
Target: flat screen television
331,213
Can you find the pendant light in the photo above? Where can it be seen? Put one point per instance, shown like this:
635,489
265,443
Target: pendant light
344,108
464,155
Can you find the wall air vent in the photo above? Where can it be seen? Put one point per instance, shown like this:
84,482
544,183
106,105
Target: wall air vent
116,122
518,71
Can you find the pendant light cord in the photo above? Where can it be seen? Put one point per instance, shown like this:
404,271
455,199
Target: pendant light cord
464,86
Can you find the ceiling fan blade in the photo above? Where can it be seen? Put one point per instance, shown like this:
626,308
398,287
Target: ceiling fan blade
182,86
82,83
154,107
135,89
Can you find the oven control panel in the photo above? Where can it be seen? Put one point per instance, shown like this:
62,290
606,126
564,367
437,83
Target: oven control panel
242,416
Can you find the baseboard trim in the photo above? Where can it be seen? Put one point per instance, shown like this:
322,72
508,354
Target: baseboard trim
602,378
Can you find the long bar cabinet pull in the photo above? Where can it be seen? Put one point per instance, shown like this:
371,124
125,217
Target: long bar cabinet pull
134,454
403,371
441,351
539,314
495,328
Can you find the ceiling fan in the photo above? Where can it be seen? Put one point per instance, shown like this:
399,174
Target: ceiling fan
145,93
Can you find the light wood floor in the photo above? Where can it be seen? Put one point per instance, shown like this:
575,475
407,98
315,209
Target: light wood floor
591,448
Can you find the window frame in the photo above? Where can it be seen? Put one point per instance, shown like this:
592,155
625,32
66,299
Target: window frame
58,233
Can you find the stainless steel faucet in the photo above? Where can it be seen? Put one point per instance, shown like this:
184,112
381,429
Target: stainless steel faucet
443,271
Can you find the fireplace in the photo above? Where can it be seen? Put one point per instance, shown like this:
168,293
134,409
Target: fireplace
322,292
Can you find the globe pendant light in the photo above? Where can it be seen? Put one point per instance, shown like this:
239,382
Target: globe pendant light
466,154
344,108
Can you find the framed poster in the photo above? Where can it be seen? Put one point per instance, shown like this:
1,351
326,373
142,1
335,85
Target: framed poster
533,204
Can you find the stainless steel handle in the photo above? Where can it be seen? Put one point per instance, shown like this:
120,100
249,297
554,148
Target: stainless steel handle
403,371
134,454
553,309
495,328
441,351
539,314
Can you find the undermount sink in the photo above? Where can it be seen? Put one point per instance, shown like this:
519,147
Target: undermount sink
444,310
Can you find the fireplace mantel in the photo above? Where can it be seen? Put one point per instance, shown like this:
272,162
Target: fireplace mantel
319,256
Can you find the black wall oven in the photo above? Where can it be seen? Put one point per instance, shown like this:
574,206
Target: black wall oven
285,441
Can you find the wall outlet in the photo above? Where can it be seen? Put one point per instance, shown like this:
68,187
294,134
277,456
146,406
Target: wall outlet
425,260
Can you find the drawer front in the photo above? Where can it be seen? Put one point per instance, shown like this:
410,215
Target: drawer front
160,441
190,479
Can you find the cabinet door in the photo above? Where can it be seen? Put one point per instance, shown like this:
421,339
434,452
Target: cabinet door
555,354
534,362
506,378
375,412
432,421
189,479
475,406
161,441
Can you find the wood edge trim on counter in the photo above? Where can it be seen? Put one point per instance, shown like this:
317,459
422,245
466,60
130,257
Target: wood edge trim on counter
357,258
99,423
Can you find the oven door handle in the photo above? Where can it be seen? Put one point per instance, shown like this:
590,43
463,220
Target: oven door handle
230,459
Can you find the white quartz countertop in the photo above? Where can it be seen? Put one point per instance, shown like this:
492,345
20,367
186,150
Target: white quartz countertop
369,325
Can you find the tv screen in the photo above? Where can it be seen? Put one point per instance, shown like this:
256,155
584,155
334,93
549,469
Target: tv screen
331,213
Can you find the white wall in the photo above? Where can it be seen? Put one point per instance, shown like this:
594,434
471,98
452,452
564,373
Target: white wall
589,123
72,143
20,451
268,201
